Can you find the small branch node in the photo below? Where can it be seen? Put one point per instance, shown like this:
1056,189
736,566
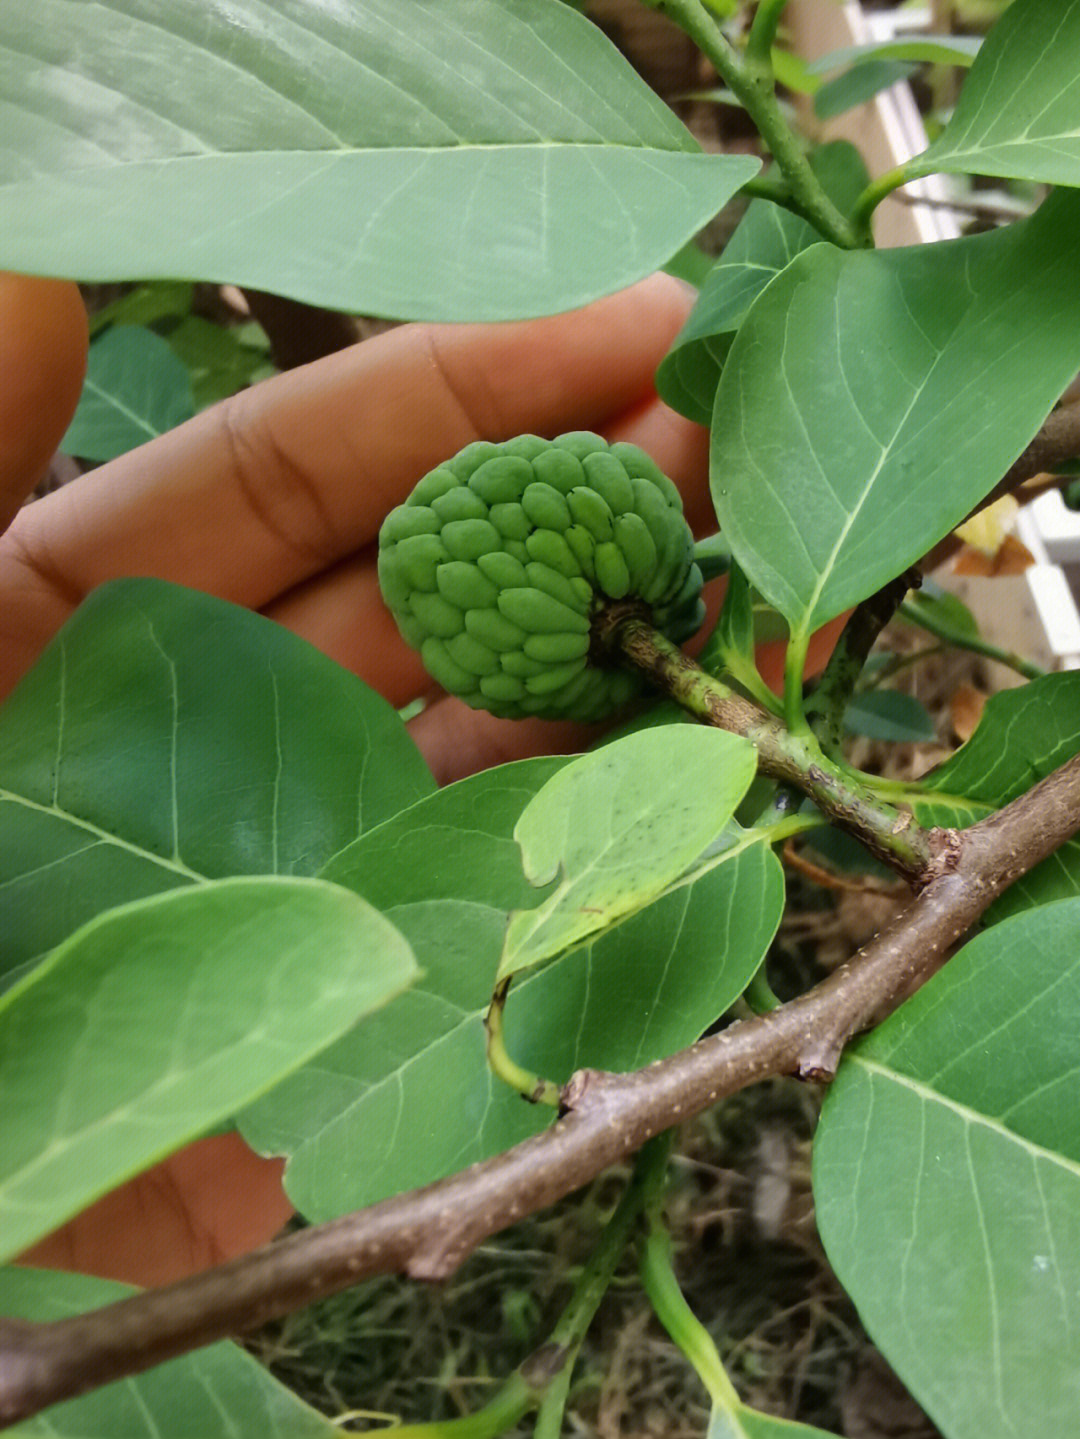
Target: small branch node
588,1090
820,1061
543,1365
946,852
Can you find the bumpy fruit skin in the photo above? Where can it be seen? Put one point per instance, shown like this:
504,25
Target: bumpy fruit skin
496,565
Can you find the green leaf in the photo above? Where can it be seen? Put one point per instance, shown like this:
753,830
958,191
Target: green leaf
1023,735
218,359
135,389
1018,115
948,614
837,458
617,827
923,49
889,715
161,1018
947,1182
402,157
1058,877
793,72
166,737
217,1393
357,1123
691,264
766,240
858,84
146,304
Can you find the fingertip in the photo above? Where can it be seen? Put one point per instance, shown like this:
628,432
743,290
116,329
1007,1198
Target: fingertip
672,298
43,348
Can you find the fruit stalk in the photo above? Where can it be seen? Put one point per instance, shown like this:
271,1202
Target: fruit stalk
888,832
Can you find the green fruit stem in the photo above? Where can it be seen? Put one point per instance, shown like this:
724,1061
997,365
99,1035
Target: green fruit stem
889,833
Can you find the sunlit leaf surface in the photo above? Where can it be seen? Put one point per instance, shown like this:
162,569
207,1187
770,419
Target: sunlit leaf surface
442,159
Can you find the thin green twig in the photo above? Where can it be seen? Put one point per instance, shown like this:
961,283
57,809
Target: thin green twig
762,35
879,189
514,1400
549,1418
542,1382
754,86
650,1169
667,1299
766,187
916,615
898,663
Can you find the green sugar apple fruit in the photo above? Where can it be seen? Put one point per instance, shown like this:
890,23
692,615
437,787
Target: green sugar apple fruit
499,562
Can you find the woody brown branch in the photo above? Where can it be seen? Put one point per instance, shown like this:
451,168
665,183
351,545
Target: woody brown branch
428,1232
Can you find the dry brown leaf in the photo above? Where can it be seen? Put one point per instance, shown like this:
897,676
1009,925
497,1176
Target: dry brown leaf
966,705
1012,558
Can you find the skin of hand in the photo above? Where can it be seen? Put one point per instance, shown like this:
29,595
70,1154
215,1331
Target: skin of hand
273,500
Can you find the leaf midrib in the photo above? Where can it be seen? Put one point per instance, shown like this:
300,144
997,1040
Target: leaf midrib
172,863
342,152
964,1112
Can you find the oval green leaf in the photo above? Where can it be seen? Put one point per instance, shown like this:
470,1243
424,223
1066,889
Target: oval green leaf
923,49
166,737
765,241
617,827
858,84
947,1182
739,1422
135,389
357,1122
401,157
889,715
945,613
1018,115
164,1017
1023,735
844,439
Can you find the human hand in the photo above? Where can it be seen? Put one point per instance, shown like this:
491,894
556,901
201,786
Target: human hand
274,500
